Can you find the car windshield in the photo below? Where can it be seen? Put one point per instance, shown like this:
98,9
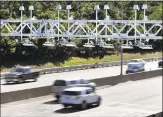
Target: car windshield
135,61
84,81
71,92
17,70
59,83
73,82
134,67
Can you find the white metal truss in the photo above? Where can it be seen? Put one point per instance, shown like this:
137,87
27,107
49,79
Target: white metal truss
112,29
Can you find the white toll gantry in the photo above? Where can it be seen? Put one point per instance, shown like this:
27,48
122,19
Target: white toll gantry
66,30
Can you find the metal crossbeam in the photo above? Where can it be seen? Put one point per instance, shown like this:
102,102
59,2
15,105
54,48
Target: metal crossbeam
83,28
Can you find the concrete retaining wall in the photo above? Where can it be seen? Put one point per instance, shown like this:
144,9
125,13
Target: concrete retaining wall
24,94
124,78
42,91
156,115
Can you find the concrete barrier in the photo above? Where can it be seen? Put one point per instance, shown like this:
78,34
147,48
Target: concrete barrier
42,91
24,94
124,78
156,115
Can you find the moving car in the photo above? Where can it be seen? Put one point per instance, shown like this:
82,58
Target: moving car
160,63
20,74
139,62
59,85
80,96
135,65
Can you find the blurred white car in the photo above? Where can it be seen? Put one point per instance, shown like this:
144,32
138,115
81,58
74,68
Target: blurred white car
136,62
59,85
80,96
135,65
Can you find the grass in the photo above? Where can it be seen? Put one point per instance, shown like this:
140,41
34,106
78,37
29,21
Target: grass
79,61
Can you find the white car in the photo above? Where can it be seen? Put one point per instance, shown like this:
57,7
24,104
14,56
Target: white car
135,65
80,96
60,84
138,62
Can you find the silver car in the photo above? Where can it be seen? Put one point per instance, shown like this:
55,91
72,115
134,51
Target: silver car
59,85
135,65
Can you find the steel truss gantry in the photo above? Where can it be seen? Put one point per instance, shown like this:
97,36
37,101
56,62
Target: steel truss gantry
109,29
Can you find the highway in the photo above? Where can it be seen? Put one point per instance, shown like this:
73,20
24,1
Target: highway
131,99
48,79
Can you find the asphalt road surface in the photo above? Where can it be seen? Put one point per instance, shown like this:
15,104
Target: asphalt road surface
131,99
48,79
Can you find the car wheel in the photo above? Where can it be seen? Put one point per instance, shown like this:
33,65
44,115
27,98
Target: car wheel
65,106
35,79
57,97
21,81
17,82
83,105
98,102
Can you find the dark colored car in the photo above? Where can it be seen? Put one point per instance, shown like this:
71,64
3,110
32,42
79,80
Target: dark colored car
160,63
18,75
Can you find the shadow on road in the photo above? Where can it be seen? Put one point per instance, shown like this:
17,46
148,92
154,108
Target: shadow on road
51,102
71,110
13,83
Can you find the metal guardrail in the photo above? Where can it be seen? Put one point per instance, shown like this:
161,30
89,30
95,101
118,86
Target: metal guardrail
96,65
88,66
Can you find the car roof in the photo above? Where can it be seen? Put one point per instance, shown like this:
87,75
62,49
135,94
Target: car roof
77,88
23,67
71,79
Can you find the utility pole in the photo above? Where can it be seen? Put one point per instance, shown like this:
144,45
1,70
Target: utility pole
121,47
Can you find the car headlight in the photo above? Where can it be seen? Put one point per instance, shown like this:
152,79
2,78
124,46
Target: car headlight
92,84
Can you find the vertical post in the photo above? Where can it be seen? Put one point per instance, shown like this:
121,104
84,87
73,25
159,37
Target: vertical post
58,8
31,23
68,20
106,7
144,22
58,25
68,7
121,47
21,8
106,19
106,13
96,7
96,25
31,8
1,59
144,7
135,7
21,24
135,25
112,29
